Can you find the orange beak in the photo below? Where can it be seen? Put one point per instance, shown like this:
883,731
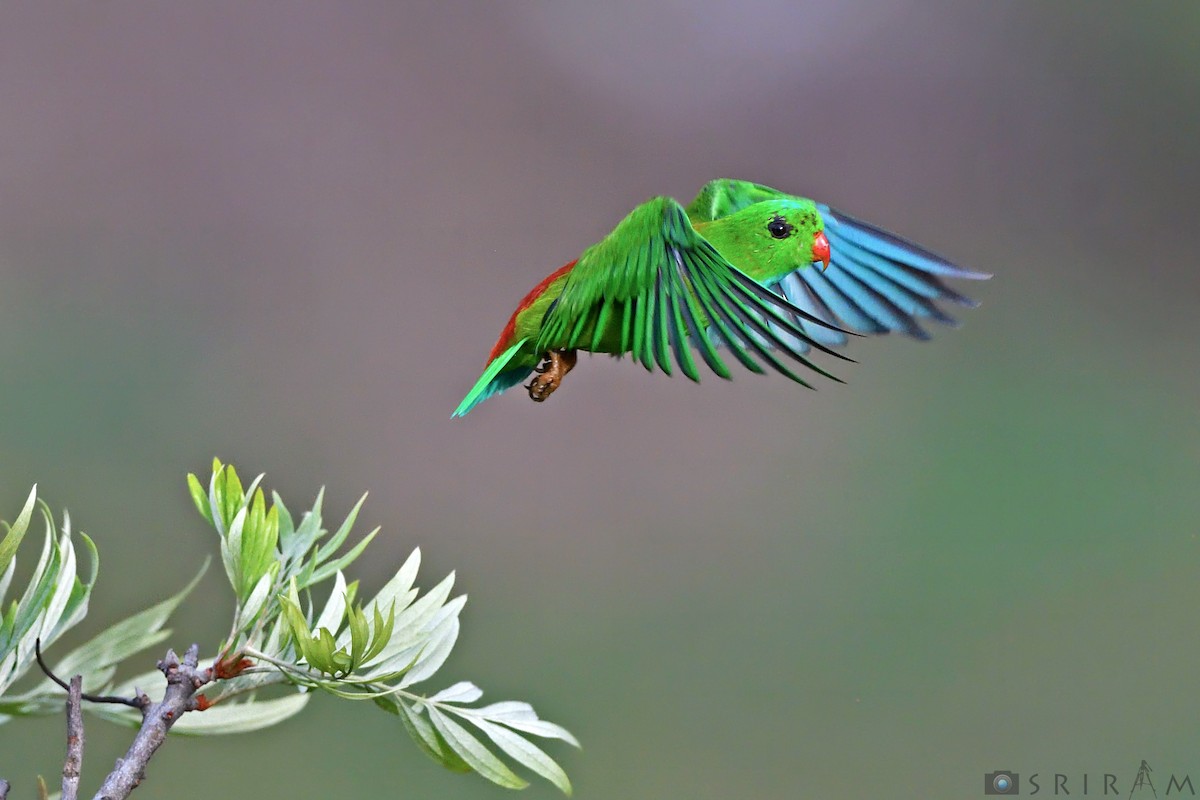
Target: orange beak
820,249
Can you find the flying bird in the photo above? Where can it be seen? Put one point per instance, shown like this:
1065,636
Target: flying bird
762,275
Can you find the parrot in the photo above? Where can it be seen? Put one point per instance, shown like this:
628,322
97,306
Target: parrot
736,270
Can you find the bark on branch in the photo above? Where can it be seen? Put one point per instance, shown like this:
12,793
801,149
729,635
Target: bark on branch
74,761
184,678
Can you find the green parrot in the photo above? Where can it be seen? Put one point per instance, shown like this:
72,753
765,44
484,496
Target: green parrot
735,270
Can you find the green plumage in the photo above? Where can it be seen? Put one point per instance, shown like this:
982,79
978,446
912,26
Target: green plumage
669,279
657,281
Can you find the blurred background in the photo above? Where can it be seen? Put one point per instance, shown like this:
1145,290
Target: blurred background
288,235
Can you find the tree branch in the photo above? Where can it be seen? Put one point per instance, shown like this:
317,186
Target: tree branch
183,680
74,762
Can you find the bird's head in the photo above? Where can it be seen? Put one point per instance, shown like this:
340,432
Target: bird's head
789,233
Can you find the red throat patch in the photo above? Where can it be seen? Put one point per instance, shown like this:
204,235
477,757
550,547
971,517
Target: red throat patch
506,336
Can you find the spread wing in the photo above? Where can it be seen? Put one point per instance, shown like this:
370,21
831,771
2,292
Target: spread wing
877,282
654,286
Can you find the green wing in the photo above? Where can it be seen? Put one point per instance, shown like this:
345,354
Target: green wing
726,196
654,285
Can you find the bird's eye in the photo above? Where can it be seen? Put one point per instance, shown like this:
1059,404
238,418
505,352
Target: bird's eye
779,227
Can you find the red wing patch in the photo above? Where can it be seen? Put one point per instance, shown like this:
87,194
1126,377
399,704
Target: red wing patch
506,336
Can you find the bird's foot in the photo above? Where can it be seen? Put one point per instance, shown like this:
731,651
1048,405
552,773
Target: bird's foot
551,373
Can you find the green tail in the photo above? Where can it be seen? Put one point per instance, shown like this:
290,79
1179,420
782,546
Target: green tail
494,380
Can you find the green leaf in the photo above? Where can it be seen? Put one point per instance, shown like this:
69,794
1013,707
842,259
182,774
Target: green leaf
77,604
64,584
289,605
233,494
330,658
328,549
216,496
525,752
522,717
321,573
437,650
412,621
257,515
94,559
461,692
199,497
429,740
287,529
381,633
231,551
478,757
255,556
545,729
36,595
388,703
12,539
360,634
255,602
271,534
241,717
309,530
5,581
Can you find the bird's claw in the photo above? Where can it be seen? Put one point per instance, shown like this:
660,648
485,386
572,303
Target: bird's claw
541,387
550,374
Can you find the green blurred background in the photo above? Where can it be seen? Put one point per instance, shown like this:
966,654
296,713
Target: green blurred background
288,233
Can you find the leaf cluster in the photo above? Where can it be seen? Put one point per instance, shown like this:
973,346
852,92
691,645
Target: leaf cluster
279,636
54,601
377,650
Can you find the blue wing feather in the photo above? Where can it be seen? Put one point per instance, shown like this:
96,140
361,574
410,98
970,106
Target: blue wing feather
889,245
876,282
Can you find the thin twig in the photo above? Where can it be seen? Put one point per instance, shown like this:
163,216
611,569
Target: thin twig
133,702
74,762
183,680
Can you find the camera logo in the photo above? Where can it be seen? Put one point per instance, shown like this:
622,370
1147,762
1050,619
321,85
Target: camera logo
1002,781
